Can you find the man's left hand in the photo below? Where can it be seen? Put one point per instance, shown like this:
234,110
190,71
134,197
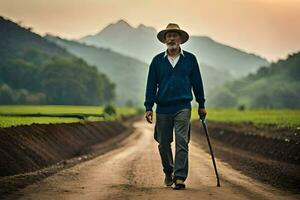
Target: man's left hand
202,113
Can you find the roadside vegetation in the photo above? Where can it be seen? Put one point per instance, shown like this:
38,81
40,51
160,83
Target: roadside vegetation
283,118
13,115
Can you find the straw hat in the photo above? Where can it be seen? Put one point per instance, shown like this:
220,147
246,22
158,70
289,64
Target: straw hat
173,27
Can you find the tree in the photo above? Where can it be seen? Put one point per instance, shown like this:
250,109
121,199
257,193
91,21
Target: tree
6,95
110,110
223,98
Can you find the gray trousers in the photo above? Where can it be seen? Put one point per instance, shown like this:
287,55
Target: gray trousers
163,134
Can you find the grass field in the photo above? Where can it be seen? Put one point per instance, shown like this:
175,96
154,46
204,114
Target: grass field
278,117
8,121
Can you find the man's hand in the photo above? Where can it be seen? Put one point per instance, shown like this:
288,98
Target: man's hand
149,116
202,113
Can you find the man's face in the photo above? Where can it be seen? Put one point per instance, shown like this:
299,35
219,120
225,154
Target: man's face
172,39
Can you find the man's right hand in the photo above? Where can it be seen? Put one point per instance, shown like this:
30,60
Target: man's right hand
202,113
149,116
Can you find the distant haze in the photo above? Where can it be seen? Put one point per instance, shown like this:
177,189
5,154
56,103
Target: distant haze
269,28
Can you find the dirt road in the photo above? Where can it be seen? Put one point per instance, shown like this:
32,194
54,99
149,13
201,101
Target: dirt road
134,171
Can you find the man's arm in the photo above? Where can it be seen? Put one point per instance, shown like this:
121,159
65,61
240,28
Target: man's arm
151,87
197,84
198,90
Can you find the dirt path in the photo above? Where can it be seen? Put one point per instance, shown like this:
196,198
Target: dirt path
134,172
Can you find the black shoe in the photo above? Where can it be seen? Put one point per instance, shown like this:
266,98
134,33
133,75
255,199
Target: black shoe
168,180
179,184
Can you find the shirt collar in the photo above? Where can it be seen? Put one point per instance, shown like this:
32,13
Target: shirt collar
166,52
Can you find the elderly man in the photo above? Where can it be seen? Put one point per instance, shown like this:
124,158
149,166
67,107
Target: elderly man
172,76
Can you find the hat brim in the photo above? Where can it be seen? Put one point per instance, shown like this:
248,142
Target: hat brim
184,35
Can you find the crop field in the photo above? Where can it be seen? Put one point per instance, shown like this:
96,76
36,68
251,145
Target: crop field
56,111
277,117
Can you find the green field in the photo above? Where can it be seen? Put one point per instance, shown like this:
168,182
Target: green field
277,117
8,121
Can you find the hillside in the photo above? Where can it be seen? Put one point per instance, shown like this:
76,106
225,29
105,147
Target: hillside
225,58
36,71
128,73
276,86
16,39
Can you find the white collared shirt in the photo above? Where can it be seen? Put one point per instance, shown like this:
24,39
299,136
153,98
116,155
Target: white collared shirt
173,61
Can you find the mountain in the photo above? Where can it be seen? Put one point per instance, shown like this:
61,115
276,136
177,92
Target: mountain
141,43
121,37
36,71
237,62
274,86
128,73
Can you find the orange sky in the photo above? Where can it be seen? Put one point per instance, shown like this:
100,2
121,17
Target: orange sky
270,28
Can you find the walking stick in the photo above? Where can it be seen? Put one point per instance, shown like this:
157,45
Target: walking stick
211,151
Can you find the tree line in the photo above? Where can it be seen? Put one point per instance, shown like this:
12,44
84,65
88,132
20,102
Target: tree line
274,86
34,77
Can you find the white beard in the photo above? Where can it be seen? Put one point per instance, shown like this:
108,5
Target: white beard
173,46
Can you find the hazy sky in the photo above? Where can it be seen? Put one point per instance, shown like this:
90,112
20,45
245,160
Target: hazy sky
270,28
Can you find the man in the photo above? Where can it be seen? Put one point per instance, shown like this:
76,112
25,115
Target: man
172,76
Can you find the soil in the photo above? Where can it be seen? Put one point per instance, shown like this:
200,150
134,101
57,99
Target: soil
282,144
256,152
32,153
130,168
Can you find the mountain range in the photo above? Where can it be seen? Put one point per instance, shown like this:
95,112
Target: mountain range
141,43
123,54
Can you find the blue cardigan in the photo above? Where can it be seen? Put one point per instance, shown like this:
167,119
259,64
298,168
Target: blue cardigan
170,88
